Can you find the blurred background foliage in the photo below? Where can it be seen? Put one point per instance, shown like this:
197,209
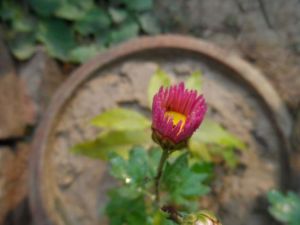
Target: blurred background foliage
74,30
285,207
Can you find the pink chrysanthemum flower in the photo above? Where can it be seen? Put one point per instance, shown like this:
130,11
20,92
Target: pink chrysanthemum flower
176,114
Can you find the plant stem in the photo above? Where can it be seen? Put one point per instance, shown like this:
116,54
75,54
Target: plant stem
162,161
172,213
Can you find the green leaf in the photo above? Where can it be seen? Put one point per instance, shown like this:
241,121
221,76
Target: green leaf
123,210
119,168
139,5
183,184
23,24
135,170
194,81
285,208
19,19
57,37
159,79
204,168
83,53
229,156
94,20
69,12
211,132
139,166
22,46
113,141
125,31
44,7
9,10
121,119
200,150
74,9
102,38
149,23
154,158
134,173
160,218
213,140
118,15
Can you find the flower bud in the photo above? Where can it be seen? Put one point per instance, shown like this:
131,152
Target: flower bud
200,218
176,114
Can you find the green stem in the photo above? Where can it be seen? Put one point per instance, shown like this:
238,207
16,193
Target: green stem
172,214
162,161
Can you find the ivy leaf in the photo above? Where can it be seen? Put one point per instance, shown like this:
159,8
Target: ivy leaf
121,119
112,141
19,19
159,79
285,208
22,46
23,24
74,10
125,31
83,53
123,210
57,37
9,10
139,5
194,81
44,7
182,183
149,23
118,15
94,20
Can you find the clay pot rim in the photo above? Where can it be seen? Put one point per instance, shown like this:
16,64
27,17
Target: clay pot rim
242,70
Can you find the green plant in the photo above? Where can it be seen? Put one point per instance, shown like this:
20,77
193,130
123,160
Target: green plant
167,194
74,30
285,208
181,184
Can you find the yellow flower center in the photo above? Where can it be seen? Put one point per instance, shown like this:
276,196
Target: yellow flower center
177,117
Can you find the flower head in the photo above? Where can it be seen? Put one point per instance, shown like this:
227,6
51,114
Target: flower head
176,114
200,218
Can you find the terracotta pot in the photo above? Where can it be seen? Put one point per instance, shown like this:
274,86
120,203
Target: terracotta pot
70,189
